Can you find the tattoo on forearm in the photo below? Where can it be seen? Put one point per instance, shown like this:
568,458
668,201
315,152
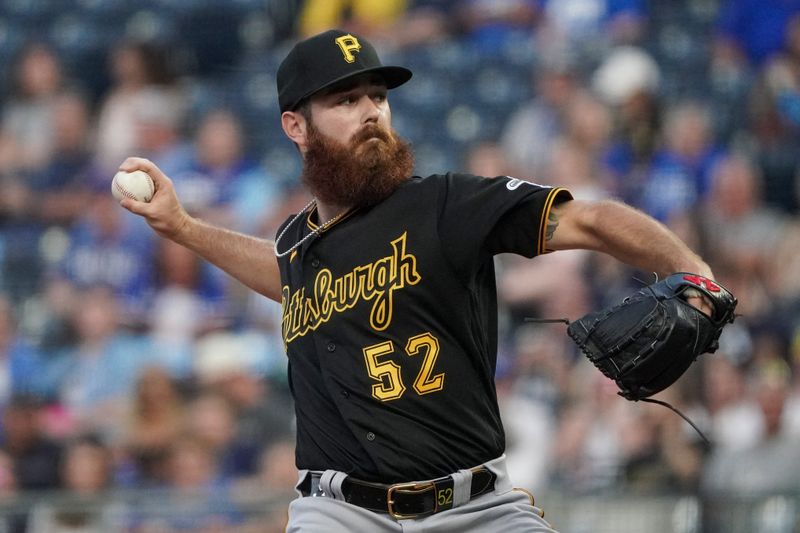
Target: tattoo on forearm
552,224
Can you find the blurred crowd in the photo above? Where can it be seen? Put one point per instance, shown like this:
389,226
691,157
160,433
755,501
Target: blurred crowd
127,363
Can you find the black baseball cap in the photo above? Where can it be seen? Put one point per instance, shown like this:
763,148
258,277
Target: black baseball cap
327,58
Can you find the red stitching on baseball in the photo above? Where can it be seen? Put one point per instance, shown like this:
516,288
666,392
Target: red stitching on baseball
127,194
124,192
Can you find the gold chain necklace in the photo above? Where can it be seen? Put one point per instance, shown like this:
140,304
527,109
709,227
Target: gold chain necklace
314,232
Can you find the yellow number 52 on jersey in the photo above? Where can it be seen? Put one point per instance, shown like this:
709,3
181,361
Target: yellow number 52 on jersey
390,384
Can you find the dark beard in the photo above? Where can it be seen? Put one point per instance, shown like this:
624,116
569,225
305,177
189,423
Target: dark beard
356,174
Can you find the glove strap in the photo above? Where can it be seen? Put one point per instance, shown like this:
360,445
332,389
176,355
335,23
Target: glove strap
665,404
547,320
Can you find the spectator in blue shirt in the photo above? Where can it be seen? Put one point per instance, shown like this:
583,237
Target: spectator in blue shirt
680,173
108,247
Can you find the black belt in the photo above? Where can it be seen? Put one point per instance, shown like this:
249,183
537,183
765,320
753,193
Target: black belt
405,500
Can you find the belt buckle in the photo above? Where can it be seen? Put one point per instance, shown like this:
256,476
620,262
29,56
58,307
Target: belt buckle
409,488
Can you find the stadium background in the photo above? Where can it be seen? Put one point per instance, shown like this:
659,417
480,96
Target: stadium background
141,390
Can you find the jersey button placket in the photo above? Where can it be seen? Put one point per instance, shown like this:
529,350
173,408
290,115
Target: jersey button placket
331,347
315,263
370,436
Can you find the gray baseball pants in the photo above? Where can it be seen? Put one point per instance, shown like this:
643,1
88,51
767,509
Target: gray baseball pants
506,510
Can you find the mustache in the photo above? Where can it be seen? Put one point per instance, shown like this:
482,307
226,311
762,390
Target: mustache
368,132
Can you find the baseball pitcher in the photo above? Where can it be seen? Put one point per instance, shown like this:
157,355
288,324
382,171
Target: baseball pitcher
389,307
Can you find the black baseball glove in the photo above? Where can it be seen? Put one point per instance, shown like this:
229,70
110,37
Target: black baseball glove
649,340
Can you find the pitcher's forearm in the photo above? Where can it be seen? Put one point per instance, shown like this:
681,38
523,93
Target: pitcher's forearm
643,242
624,233
249,259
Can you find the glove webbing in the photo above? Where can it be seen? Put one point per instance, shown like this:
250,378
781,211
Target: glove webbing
649,400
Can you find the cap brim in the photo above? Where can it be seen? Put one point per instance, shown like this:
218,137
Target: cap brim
394,77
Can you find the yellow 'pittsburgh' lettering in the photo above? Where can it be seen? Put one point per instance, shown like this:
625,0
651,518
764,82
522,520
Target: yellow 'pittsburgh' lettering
374,282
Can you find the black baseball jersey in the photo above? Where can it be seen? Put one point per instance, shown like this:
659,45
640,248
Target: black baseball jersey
389,318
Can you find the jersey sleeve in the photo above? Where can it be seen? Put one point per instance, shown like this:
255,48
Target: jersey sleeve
481,217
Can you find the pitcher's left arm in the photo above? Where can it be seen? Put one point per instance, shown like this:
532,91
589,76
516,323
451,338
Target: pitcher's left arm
623,232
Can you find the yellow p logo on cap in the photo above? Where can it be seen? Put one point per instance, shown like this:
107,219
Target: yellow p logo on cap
348,44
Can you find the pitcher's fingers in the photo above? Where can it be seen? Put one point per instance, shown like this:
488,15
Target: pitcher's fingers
138,208
141,163
136,163
701,303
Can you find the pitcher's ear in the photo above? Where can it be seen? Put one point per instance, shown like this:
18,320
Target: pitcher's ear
295,126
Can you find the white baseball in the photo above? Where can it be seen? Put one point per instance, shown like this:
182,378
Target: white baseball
137,185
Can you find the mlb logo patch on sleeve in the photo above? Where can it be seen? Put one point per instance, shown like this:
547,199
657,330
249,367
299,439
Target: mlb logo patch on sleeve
515,183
